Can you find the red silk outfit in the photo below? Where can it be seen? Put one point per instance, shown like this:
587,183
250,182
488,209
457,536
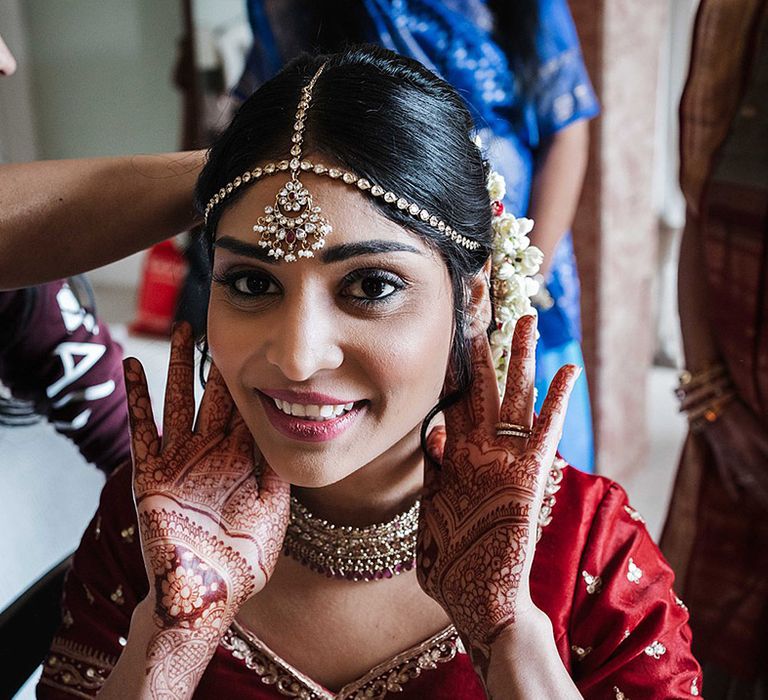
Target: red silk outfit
619,628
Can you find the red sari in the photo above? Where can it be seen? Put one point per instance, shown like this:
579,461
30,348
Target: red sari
619,628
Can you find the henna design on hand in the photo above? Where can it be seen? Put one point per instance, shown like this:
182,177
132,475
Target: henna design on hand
211,523
477,529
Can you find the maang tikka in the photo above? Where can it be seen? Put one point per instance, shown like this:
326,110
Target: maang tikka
294,226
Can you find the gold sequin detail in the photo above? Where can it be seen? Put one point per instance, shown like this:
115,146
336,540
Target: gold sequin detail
634,572
619,694
634,514
594,583
385,679
580,652
117,595
552,486
128,534
656,650
76,669
97,528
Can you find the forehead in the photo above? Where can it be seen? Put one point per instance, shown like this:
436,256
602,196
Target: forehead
351,213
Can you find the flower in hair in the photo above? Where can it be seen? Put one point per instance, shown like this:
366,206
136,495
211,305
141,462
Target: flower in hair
515,262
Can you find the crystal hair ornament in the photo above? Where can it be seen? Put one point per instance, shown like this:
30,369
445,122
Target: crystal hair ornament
294,226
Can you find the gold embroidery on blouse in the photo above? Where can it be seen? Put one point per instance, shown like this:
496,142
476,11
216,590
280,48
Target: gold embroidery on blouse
76,668
128,533
694,687
634,514
387,677
656,650
552,486
117,596
97,529
594,583
580,652
619,694
634,572
88,594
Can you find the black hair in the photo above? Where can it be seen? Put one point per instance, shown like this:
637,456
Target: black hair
385,118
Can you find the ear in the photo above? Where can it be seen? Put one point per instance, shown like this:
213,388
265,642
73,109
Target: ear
480,310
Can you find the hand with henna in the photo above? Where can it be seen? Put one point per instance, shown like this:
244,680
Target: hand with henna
478,524
211,526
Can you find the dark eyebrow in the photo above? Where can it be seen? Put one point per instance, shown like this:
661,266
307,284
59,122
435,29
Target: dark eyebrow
240,248
345,251
329,255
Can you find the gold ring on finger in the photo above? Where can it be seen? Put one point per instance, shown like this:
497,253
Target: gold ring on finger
512,430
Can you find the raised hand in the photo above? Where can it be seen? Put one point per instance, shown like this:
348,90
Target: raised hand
211,522
477,531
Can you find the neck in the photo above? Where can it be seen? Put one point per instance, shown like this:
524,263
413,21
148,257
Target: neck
375,493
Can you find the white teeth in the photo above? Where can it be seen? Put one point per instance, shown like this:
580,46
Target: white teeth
313,411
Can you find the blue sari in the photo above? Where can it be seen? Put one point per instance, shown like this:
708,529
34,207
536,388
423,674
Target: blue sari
454,39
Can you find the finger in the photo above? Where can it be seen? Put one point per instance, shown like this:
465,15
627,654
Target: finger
436,443
144,440
549,425
179,409
216,405
479,407
271,485
517,406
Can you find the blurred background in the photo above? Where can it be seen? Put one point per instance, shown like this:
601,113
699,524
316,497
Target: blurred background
109,77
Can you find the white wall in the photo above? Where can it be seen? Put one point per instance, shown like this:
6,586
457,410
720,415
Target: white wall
100,78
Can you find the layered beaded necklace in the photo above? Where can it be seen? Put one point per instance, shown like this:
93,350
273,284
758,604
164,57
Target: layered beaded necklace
366,553
376,551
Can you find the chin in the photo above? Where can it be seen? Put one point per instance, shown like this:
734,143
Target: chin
313,473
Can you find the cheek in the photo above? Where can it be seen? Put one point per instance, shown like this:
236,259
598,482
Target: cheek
412,359
230,342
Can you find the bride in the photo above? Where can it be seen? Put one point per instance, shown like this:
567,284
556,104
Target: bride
314,532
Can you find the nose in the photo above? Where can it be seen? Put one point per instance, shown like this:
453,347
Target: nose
7,61
305,340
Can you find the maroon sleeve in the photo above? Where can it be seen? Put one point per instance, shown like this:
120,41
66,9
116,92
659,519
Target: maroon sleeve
629,631
104,585
56,354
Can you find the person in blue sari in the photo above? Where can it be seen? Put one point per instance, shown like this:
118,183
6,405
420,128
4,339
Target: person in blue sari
519,67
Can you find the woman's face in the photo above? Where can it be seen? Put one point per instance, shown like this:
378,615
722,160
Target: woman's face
334,360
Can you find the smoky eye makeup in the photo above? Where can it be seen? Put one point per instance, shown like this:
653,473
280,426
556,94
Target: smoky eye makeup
246,284
372,286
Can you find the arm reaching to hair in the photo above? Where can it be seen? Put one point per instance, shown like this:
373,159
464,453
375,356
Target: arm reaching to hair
210,528
477,533
60,218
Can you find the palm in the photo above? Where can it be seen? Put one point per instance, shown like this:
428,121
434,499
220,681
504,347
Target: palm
479,514
211,530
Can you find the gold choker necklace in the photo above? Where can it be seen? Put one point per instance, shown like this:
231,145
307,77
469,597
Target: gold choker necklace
377,551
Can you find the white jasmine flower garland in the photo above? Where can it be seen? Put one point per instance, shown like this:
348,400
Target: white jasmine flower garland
515,262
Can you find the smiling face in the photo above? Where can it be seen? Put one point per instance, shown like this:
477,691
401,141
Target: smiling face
333,361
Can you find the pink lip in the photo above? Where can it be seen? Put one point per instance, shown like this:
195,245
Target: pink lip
309,397
308,430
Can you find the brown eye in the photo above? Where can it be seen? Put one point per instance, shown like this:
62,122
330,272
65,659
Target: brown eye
254,285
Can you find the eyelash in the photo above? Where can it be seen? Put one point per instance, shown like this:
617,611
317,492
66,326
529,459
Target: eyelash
230,279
